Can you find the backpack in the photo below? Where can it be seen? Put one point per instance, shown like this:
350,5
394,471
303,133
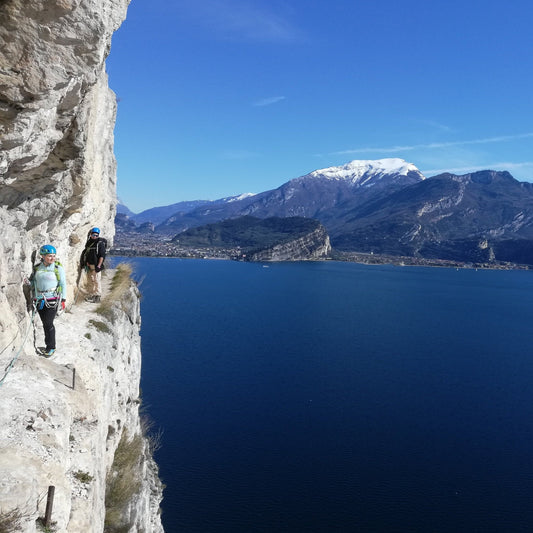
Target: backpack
104,241
84,255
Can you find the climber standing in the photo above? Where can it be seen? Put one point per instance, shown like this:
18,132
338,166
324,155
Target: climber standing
92,260
49,287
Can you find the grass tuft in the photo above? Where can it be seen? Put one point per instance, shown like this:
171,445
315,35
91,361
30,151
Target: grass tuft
120,284
11,521
123,482
153,435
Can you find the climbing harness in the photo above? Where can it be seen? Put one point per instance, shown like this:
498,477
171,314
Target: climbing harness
39,302
40,299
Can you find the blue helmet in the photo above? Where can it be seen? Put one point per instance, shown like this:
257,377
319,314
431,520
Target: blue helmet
95,230
47,249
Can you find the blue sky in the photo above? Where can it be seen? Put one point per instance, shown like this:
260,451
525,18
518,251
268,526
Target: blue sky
222,97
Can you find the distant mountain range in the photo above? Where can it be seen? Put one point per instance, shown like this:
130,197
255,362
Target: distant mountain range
158,215
384,207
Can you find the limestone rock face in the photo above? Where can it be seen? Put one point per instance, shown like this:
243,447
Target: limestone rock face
57,180
57,113
313,246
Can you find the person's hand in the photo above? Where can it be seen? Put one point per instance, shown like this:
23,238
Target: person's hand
97,268
63,304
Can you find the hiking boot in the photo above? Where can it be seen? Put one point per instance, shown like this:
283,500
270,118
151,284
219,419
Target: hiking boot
90,299
49,353
96,299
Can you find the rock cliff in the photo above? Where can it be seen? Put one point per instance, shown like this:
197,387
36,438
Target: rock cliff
57,179
313,246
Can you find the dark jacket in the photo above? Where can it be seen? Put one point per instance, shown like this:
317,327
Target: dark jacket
94,249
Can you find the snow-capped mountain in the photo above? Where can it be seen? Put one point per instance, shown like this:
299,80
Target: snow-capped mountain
365,172
239,197
388,207
312,195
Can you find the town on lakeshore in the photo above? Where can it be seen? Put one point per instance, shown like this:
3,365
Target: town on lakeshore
153,245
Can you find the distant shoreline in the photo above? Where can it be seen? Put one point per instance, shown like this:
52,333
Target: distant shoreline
346,257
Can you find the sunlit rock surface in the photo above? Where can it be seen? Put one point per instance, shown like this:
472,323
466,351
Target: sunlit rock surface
57,180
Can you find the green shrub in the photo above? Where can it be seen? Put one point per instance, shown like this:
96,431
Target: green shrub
45,529
84,477
100,326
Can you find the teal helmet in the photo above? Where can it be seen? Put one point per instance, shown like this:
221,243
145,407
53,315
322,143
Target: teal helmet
47,249
95,230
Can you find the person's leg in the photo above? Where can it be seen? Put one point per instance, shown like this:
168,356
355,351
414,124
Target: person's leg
47,315
93,282
98,284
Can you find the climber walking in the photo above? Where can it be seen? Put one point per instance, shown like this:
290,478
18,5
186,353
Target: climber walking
92,260
49,288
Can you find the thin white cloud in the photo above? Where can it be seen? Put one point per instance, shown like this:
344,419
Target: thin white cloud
242,20
435,125
269,101
406,148
510,167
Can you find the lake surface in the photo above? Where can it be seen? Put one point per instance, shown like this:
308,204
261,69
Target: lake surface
318,397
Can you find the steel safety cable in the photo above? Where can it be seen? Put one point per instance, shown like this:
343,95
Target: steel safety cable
13,361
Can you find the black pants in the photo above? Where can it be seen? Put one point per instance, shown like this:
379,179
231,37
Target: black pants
47,315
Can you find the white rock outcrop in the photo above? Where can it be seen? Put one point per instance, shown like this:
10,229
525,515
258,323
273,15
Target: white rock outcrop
310,247
57,180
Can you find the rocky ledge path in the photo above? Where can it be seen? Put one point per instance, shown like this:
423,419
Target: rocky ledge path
61,418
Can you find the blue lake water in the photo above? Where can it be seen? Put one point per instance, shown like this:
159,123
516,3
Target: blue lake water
318,397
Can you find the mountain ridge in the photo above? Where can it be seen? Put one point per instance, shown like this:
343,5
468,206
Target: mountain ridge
305,195
388,206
